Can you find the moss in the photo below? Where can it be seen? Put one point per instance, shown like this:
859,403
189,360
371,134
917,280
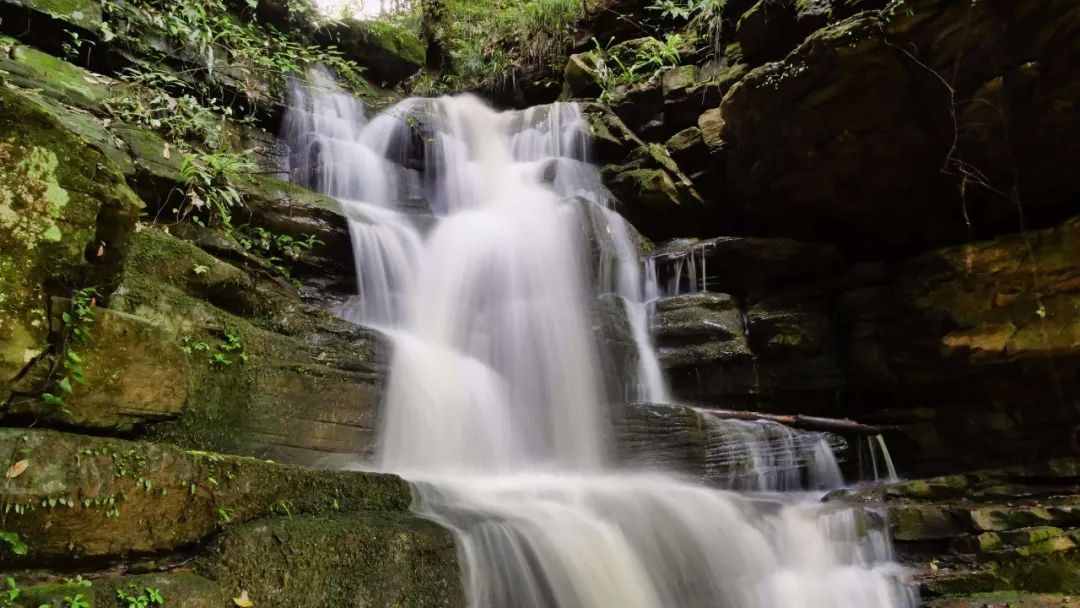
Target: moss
89,497
368,559
396,38
33,69
55,194
85,14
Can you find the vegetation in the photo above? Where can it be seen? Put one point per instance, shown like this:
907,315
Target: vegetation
77,323
207,30
211,193
627,63
133,597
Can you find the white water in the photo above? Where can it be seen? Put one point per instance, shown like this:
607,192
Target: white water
766,456
494,405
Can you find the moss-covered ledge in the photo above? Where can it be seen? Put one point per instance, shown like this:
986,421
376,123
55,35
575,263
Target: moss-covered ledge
94,498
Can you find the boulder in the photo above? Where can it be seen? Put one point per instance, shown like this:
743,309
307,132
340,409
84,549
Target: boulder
580,77
699,329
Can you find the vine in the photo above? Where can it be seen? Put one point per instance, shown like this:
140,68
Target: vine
78,320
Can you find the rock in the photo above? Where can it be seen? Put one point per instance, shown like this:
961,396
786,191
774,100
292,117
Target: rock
971,331
61,198
1009,598
580,78
618,350
369,559
652,191
663,437
134,373
390,53
768,30
749,268
96,498
296,384
699,329
613,142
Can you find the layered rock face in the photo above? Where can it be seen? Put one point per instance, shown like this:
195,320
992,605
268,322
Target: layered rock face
143,339
847,151
877,223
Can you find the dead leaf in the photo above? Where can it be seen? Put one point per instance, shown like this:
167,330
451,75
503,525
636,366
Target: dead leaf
17,469
243,601
167,153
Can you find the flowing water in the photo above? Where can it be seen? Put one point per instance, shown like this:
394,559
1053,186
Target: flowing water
495,406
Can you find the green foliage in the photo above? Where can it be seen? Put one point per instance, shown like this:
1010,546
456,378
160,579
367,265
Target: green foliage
489,37
10,593
210,192
76,601
706,14
626,64
223,355
275,248
13,542
132,597
73,45
184,120
207,28
77,323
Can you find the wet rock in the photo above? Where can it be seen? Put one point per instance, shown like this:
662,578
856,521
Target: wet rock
699,329
989,331
661,437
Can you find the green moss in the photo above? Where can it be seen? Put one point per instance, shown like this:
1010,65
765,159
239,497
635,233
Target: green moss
95,497
364,559
82,13
55,194
32,69
397,38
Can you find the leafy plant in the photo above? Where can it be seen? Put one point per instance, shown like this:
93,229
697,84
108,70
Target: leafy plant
275,248
209,181
10,593
76,601
257,50
224,355
626,64
132,597
183,119
13,542
77,323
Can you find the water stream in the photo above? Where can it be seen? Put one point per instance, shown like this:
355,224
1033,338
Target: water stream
495,406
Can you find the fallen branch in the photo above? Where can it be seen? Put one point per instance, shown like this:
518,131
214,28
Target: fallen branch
797,421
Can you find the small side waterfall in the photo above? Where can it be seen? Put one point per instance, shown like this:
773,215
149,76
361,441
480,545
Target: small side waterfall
760,455
495,407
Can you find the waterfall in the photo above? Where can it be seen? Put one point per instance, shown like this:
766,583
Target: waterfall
761,455
495,408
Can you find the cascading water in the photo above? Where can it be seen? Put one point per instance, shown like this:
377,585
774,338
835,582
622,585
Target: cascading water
495,407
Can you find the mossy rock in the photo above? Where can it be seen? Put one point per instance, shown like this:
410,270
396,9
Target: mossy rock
134,373
82,14
58,197
356,559
361,559
304,386
86,497
32,69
